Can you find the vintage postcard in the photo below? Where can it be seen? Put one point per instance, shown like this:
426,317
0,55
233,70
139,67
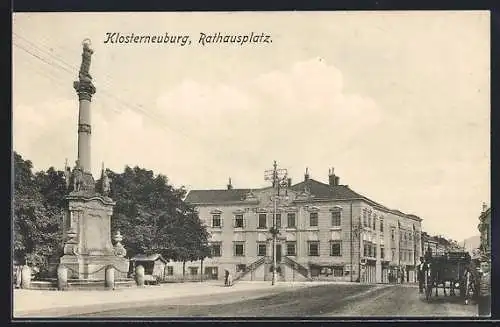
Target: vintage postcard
251,164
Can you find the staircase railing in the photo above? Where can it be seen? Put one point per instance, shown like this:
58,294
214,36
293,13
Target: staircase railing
296,266
251,267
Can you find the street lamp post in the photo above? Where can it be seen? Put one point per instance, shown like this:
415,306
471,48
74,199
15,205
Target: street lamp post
276,176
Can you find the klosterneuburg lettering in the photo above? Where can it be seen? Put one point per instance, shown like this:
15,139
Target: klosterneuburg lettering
132,38
239,39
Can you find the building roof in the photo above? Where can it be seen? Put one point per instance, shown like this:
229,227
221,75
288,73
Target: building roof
151,257
320,191
216,196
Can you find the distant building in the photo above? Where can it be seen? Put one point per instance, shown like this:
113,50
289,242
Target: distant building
327,231
437,244
485,230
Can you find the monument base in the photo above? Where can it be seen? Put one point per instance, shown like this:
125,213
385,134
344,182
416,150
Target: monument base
90,267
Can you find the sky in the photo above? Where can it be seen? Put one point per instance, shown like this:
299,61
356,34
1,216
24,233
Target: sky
398,103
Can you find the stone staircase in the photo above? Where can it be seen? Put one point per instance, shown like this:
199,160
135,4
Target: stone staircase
251,267
297,267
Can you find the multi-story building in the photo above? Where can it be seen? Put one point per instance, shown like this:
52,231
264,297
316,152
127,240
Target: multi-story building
326,231
485,230
438,245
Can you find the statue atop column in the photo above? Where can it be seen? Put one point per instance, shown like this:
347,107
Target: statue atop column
84,83
84,74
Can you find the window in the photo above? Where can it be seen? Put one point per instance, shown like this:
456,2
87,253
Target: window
338,271
262,220
239,249
374,225
369,223
365,250
261,249
193,271
291,220
382,253
365,218
393,234
393,254
409,236
170,270
313,249
336,219
374,251
216,249
291,249
241,267
382,225
278,220
238,221
313,219
216,221
336,248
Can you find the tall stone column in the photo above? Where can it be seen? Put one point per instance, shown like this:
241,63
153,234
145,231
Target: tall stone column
85,89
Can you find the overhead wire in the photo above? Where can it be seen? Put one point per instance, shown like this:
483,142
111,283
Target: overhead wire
65,67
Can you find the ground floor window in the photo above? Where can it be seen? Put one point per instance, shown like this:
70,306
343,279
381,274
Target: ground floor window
212,272
170,270
241,267
291,249
193,271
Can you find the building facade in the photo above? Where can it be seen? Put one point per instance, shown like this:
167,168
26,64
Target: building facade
485,230
326,231
437,245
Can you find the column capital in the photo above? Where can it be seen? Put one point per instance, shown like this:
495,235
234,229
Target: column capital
85,89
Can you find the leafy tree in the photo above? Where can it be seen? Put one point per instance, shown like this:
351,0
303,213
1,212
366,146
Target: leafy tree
153,217
149,212
37,214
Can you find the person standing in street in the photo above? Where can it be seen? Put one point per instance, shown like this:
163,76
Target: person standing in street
420,275
226,277
484,300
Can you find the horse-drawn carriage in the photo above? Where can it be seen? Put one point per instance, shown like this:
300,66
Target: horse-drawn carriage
454,270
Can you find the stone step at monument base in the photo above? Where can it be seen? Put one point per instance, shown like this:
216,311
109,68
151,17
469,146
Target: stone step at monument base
79,284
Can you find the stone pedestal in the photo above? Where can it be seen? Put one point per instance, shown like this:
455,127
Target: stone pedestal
89,249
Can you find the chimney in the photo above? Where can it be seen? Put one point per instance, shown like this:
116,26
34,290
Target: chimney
306,175
333,180
331,177
289,182
229,185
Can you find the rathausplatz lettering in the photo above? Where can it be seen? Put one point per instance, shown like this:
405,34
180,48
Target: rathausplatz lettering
217,38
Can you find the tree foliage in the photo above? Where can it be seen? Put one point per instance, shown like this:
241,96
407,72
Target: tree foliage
149,213
153,217
38,210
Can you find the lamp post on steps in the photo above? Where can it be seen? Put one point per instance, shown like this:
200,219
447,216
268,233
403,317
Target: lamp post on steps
278,177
